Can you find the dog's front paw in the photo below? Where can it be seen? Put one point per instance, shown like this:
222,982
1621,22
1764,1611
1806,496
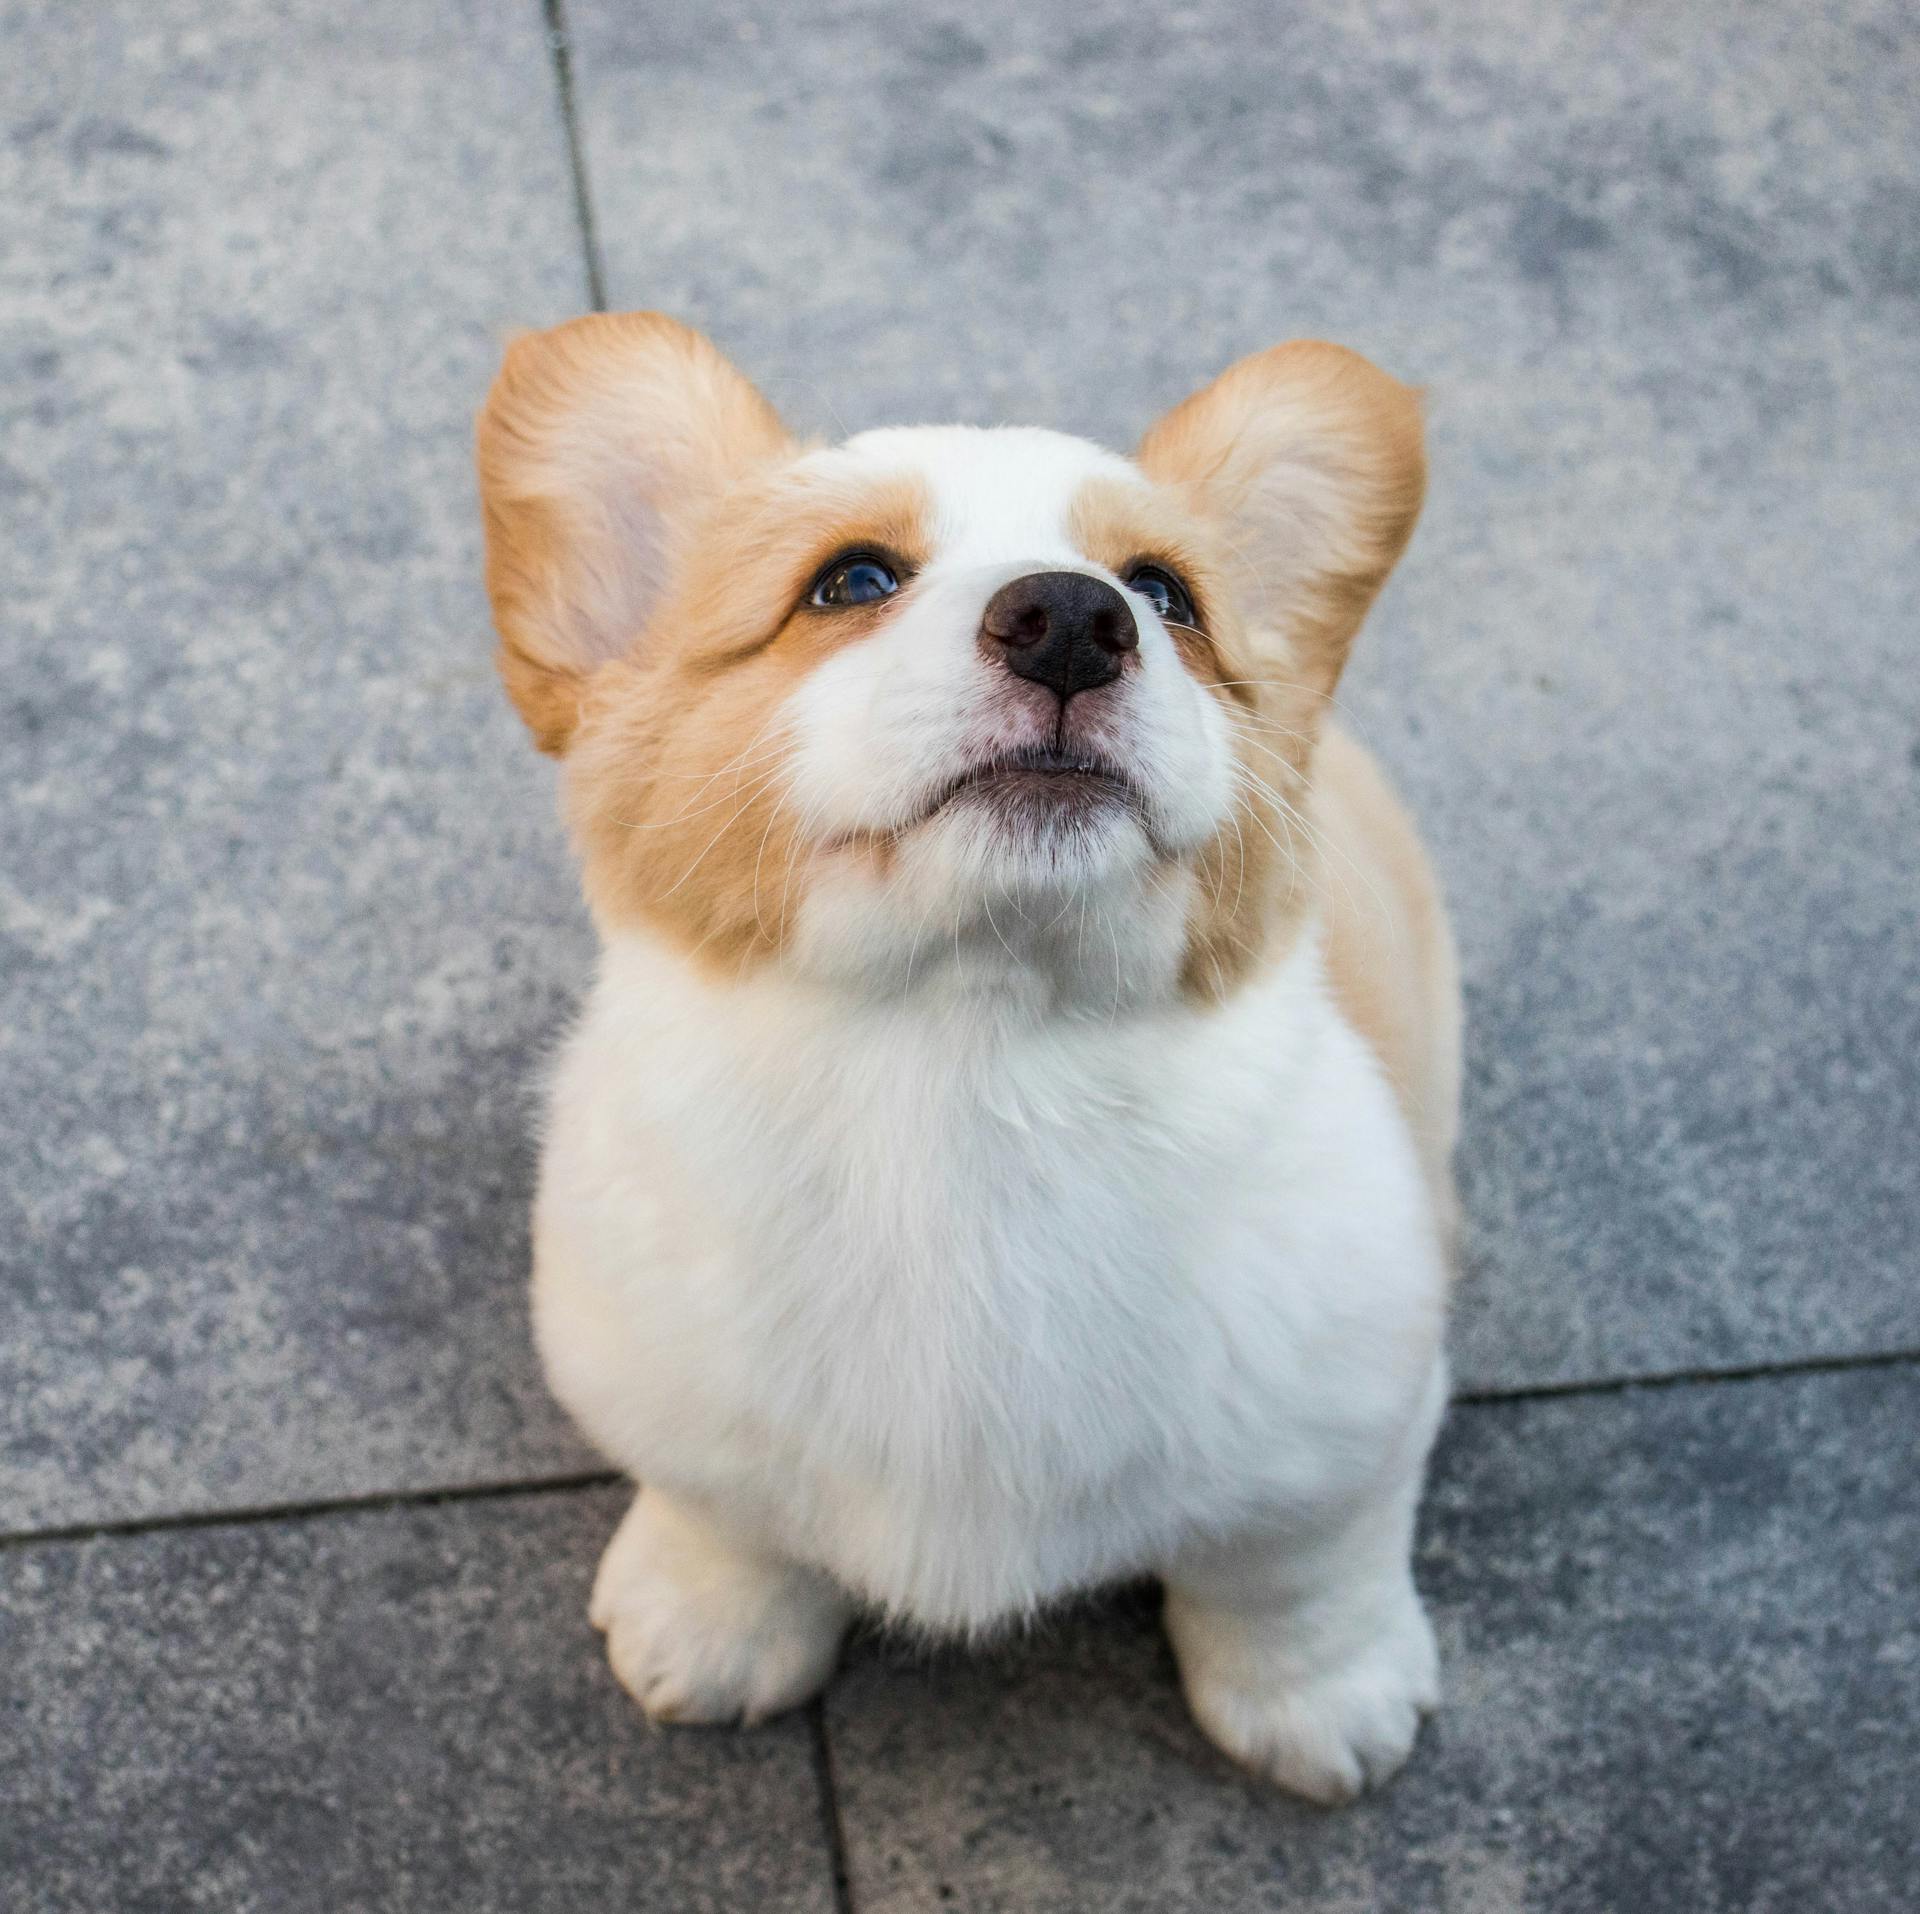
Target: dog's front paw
1327,1732
699,1632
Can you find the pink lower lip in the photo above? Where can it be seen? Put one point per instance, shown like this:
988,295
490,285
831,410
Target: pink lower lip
1063,782
1042,763
1047,783
1043,785
1043,772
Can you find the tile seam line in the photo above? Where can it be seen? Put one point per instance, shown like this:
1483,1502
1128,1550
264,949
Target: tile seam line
833,1825
560,55
383,1501
373,1502
1785,1369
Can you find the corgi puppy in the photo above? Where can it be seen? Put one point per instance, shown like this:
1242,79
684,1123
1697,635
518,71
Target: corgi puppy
1006,1146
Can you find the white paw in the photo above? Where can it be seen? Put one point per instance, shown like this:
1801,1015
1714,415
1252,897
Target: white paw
1327,1733
698,1632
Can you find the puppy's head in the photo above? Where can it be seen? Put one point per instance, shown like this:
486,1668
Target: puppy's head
938,697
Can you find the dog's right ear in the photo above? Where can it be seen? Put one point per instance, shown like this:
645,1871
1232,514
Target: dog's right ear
599,445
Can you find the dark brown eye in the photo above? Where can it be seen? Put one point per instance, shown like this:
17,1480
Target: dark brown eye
854,578
1164,592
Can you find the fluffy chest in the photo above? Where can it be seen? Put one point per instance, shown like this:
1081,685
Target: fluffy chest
971,1314
952,1239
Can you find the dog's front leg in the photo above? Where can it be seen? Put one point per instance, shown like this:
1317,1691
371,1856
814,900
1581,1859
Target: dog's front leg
1307,1656
701,1628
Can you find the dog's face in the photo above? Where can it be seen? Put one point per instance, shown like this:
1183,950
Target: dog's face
936,696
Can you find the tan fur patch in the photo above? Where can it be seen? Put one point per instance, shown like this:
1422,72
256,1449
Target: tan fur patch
1390,955
1250,888
1302,468
651,534
675,784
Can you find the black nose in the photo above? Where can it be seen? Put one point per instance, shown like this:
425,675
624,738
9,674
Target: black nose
1065,630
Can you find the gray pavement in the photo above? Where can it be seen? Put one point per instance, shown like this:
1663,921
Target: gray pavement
293,1547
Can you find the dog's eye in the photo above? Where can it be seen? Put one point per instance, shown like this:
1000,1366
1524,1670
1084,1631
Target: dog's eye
1164,593
856,578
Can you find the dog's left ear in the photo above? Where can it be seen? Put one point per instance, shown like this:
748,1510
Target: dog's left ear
1311,460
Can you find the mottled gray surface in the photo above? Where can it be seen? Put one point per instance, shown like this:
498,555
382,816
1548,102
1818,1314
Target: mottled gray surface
1649,671
284,920
402,1709
1682,1641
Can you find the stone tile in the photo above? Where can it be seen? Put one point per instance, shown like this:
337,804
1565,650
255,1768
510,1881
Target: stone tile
284,919
1647,673
1682,1641
392,1709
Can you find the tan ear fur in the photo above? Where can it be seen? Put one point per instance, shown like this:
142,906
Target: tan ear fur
600,444
1311,459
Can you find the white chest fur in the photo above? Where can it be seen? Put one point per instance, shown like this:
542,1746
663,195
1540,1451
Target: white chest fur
971,1305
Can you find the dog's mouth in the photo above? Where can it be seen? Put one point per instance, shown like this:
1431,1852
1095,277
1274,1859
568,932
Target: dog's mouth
1030,793
1044,783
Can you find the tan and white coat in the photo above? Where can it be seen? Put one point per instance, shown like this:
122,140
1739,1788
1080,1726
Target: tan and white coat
948,1216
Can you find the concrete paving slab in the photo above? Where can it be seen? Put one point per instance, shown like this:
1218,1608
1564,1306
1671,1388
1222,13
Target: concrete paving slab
400,1708
284,917
285,922
1648,671
1681,1631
